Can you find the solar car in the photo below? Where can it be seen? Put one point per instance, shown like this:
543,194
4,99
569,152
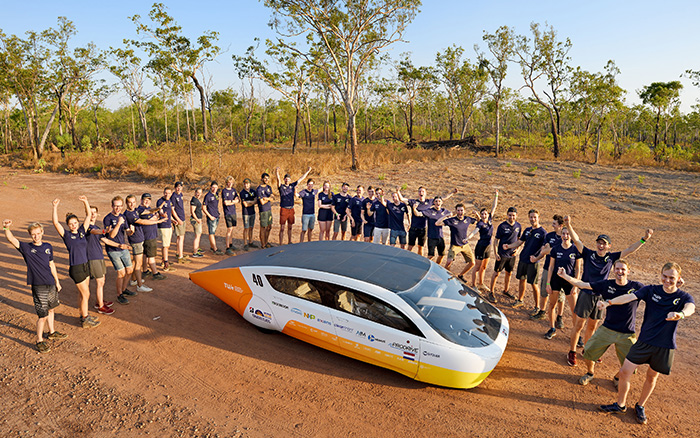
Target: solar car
375,303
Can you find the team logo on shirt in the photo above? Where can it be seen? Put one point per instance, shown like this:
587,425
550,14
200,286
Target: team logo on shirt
676,301
537,235
572,256
47,251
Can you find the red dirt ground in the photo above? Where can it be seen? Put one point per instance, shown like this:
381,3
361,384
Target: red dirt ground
179,362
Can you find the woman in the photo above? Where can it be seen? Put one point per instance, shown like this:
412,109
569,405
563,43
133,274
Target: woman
76,243
196,221
325,214
566,256
96,261
482,250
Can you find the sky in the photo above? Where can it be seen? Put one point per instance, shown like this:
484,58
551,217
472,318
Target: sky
649,41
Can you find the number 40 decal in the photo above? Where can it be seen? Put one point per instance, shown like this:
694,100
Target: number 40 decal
257,280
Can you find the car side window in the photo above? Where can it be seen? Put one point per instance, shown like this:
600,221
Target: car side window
372,309
296,287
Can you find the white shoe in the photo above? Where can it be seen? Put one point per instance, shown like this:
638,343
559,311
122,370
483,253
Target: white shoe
144,288
133,283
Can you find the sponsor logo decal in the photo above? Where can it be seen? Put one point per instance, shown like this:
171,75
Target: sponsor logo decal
404,347
284,306
233,288
360,333
372,338
324,321
505,332
428,353
409,356
343,327
297,311
260,315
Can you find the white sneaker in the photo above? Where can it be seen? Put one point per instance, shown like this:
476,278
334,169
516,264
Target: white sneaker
133,283
144,288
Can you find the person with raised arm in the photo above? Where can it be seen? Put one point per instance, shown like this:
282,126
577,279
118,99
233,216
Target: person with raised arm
482,250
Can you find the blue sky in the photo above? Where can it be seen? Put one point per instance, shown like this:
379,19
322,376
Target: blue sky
649,41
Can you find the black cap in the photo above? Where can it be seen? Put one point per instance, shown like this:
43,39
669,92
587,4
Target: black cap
146,195
512,210
605,238
178,184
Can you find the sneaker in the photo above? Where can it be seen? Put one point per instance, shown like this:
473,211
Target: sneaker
57,335
613,409
106,304
146,273
508,294
585,379
43,347
105,310
491,297
200,250
517,303
129,293
121,299
168,268
230,251
218,252
571,358
159,276
640,414
144,288
245,247
268,245
616,382
253,245
197,255
534,312
560,322
539,315
551,333
133,283
89,322
183,260
579,344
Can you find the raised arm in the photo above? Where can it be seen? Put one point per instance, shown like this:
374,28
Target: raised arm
299,181
574,236
636,245
279,180
88,213
402,198
54,217
495,204
8,234
449,195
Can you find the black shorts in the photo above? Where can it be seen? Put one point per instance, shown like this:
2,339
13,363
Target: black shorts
559,284
587,305
368,230
45,298
150,247
529,271
438,243
416,235
659,359
482,252
356,229
507,263
230,220
79,273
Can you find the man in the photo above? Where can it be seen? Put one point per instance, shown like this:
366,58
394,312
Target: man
148,221
96,261
179,224
459,232
287,190
229,199
135,235
211,211
341,201
665,306
356,203
165,228
435,236
249,200
596,267
397,212
368,227
196,216
507,234
551,240
308,209
378,211
265,198
419,223
533,240
619,323
115,227
42,277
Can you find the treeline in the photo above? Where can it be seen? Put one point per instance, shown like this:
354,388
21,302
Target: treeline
53,94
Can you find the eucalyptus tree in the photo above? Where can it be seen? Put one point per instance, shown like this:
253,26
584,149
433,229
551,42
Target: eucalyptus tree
127,66
342,39
662,97
97,94
412,82
544,62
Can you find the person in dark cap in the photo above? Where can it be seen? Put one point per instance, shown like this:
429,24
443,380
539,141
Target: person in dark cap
596,267
507,232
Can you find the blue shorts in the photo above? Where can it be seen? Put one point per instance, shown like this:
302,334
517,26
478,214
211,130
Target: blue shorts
308,221
121,259
368,230
400,234
212,225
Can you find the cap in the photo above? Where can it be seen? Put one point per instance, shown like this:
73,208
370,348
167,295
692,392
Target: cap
605,238
512,210
178,184
247,180
146,195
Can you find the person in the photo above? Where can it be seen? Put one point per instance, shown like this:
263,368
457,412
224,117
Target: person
619,323
507,233
325,214
135,236
196,217
43,279
265,198
533,240
249,200
435,236
381,217
596,267
552,239
356,203
148,221
308,210
96,262
397,213
367,218
179,224
459,232
566,257
341,201
482,249
666,304
287,190
419,223
76,244
229,199
115,227
211,210
165,228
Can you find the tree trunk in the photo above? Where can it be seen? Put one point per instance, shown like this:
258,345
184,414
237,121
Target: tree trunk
498,125
597,148
73,133
133,126
296,130
97,128
177,118
40,147
203,105
352,136
335,129
144,126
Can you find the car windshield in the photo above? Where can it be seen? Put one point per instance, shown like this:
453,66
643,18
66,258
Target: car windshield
453,309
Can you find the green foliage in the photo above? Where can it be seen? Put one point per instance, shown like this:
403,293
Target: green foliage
381,177
577,173
404,186
532,169
64,141
508,164
640,178
617,178
86,143
135,157
24,187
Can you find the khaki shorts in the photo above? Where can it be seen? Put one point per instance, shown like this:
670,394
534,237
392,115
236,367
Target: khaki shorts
197,226
603,338
180,229
98,268
265,219
465,250
166,236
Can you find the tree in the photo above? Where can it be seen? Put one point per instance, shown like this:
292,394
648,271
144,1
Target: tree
662,97
128,69
344,39
168,48
501,44
546,59
412,82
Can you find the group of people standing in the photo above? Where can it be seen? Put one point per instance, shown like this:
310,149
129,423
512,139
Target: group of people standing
571,272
